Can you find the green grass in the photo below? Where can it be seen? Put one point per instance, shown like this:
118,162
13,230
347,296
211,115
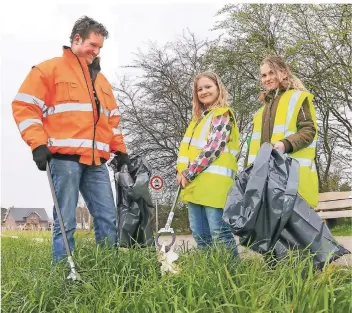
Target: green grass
342,227
43,234
130,281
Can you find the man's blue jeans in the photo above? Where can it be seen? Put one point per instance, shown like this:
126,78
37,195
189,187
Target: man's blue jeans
208,227
93,182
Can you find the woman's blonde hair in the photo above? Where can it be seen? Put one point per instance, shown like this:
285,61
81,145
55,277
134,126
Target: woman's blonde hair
220,102
290,81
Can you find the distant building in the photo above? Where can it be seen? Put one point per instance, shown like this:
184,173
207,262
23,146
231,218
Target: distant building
82,218
25,219
3,216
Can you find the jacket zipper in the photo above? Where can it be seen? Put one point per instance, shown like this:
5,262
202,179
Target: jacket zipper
94,123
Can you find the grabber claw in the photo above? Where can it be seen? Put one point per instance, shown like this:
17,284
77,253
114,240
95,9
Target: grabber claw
164,231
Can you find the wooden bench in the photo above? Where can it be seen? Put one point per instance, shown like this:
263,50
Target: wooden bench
334,205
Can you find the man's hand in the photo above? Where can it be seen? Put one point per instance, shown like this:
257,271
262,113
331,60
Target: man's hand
119,160
279,146
181,180
41,155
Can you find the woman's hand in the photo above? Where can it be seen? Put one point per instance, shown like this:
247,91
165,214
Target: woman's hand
279,146
181,180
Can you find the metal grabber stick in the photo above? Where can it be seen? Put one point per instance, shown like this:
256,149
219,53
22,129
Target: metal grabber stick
167,228
73,274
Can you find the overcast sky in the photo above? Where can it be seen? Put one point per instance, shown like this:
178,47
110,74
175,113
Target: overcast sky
33,32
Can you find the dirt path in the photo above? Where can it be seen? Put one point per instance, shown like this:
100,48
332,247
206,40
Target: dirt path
187,241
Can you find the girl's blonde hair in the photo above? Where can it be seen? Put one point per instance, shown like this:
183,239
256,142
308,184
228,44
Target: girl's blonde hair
290,81
220,102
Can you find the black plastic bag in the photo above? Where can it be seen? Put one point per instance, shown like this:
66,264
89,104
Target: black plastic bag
264,209
134,204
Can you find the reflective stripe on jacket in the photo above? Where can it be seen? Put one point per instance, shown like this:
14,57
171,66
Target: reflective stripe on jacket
55,106
211,186
285,125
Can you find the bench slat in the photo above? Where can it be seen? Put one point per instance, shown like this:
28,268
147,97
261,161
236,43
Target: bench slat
331,196
334,205
335,214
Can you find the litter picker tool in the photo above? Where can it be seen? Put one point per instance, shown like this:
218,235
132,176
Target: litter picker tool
73,274
167,229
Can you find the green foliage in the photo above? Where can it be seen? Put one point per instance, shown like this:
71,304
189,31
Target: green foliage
341,226
334,183
130,281
315,40
180,222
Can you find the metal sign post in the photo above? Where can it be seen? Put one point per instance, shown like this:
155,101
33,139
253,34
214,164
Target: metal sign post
156,215
157,184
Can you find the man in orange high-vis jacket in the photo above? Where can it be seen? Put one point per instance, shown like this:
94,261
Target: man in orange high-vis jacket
66,112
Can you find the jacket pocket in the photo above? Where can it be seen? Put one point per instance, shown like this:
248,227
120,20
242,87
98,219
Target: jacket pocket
107,96
66,91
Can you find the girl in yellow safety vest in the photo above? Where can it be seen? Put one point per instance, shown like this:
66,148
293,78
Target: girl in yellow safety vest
287,119
207,161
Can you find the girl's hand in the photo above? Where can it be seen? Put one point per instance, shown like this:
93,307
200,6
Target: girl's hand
279,146
181,180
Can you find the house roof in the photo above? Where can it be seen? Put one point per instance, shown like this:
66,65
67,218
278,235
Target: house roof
19,214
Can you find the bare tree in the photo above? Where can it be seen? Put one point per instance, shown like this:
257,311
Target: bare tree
314,39
157,106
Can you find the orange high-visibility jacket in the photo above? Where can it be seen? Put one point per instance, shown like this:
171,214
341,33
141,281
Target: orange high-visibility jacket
55,106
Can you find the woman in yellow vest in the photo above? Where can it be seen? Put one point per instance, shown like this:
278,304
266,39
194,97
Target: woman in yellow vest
287,119
207,161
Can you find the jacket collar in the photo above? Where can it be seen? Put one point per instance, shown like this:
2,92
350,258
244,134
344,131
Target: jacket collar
269,96
67,53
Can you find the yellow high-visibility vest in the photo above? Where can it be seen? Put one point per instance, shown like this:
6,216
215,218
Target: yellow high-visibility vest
211,186
285,124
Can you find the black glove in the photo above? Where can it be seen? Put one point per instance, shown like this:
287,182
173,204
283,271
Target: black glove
41,155
119,160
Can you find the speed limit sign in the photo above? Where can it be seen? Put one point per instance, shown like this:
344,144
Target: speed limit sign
156,182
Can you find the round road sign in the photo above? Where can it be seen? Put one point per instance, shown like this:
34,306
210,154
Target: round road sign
156,182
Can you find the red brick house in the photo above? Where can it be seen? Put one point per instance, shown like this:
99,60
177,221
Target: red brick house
26,218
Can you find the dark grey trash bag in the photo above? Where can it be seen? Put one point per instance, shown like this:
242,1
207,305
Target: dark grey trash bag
264,209
134,204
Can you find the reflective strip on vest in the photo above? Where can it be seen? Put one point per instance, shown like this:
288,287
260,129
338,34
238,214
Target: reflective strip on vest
186,139
23,97
183,159
68,107
279,129
78,143
201,142
251,159
220,170
101,146
117,131
288,133
291,107
115,112
233,152
304,162
313,144
105,111
198,143
313,167
26,123
256,135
